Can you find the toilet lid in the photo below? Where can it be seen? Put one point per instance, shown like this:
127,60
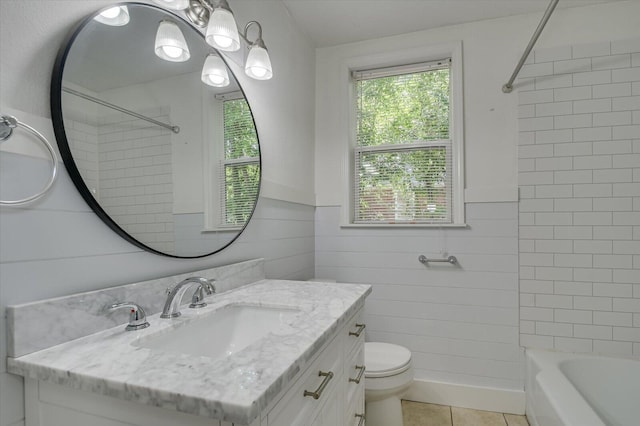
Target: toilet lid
385,359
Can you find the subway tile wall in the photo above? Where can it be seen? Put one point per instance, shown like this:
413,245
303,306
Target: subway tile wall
579,179
136,175
460,322
133,164
83,140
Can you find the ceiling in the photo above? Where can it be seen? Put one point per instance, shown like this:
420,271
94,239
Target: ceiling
333,22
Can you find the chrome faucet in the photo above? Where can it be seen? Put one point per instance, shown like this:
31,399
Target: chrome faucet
174,298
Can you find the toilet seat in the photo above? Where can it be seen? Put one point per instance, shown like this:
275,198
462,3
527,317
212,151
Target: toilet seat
385,359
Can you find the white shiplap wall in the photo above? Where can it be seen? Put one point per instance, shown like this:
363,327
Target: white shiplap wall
579,178
460,322
58,246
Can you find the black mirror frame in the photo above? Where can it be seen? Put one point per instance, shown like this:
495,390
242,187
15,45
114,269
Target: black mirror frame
65,150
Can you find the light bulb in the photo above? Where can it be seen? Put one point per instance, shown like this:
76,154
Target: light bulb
258,72
222,41
111,13
170,43
216,79
172,52
116,16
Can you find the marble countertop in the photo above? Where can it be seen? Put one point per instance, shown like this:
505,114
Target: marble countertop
236,388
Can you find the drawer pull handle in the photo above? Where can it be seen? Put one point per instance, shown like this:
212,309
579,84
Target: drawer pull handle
359,331
357,379
361,417
318,392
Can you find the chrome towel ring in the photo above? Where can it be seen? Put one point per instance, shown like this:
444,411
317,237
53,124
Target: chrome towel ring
7,124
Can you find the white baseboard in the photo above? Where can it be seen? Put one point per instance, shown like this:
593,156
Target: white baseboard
478,398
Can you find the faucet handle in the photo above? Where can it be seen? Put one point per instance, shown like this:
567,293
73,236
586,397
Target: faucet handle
197,300
209,288
137,316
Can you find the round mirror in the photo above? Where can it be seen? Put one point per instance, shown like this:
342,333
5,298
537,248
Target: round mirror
155,131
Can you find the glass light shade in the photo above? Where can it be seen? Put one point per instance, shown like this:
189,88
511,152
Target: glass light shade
258,65
222,31
214,72
173,4
170,43
116,16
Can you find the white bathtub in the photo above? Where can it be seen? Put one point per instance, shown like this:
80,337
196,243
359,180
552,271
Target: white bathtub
581,390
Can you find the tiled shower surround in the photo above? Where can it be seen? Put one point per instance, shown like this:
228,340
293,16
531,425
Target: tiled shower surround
135,168
134,164
579,179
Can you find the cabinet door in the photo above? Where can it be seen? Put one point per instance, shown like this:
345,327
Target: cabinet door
330,414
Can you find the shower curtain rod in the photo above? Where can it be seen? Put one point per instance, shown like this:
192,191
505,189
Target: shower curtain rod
508,87
174,129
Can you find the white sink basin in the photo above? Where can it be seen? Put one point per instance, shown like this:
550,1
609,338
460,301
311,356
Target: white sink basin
223,332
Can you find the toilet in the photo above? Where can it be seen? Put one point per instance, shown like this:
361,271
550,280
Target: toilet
388,376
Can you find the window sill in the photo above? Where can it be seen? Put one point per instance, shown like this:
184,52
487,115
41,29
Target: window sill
229,229
404,225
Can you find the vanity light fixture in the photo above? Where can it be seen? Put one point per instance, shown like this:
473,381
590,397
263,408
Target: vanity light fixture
214,71
222,32
258,64
170,43
116,16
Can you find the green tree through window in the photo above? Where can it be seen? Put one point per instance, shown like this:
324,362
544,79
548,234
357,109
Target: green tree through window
403,147
241,163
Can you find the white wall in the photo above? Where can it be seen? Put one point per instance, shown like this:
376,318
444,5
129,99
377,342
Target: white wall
435,311
460,322
57,246
580,189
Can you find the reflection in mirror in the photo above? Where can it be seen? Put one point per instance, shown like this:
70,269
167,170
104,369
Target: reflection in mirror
155,131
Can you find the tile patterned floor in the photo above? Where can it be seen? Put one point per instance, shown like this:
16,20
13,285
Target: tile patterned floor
420,414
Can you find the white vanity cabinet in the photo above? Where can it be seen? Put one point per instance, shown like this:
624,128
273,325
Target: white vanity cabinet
342,398
329,391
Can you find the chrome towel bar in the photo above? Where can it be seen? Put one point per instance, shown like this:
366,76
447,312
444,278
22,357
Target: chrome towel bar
424,259
7,124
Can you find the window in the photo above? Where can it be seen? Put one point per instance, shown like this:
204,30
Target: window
241,164
405,153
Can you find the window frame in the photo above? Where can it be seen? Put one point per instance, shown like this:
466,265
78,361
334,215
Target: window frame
215,207
404,59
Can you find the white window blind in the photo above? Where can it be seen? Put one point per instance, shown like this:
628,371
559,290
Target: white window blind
241,165
403,167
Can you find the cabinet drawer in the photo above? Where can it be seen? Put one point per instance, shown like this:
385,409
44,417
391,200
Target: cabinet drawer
297,409
354,333
354,375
